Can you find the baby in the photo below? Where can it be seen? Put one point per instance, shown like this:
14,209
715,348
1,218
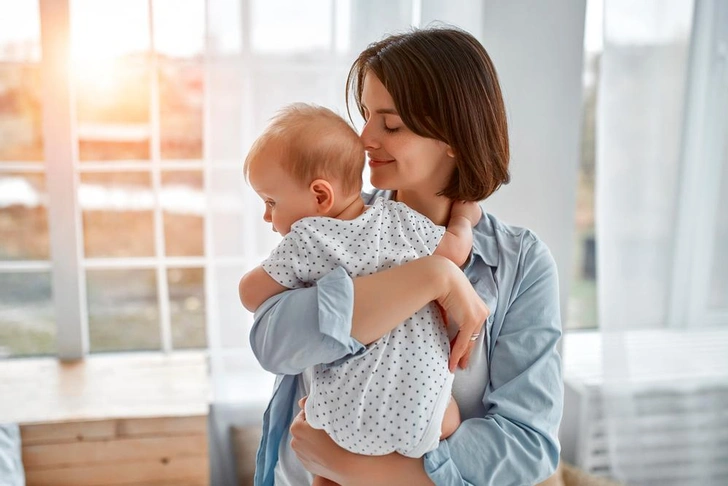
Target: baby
395,395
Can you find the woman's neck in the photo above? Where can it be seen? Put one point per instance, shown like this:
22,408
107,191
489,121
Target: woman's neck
436,208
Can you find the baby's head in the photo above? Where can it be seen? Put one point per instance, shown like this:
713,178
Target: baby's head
307,160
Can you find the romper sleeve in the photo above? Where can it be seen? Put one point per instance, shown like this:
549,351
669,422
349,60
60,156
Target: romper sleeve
516,441
300,328
288,264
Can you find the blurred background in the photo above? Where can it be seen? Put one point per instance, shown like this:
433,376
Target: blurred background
125,222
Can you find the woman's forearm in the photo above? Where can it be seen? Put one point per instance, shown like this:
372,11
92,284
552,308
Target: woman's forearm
384,299
383,471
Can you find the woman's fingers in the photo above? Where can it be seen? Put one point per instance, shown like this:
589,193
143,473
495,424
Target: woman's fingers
468,335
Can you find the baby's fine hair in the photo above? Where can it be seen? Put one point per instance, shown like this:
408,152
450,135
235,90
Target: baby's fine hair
313,143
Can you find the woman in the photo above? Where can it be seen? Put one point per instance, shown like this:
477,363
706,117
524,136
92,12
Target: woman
435,133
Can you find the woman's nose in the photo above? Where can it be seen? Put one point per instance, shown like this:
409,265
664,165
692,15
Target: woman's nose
368,138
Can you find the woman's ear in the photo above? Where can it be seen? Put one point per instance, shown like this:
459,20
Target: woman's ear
324,194
450,152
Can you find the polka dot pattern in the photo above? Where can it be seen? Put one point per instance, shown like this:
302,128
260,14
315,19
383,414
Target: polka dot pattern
385,399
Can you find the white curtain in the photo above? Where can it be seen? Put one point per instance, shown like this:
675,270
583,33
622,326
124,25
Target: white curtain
261,55
662,240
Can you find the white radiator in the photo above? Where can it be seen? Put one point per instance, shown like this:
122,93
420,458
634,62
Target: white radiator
674,430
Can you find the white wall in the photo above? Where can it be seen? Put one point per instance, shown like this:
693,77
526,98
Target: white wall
537,48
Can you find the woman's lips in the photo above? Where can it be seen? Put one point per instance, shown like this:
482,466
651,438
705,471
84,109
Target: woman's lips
379,163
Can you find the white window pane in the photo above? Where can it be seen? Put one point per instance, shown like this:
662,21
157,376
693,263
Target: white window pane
180,103
19,30
123,314
187,307
179,27
118,219
287,26
20,113
183,203
105,29
23,217
112,105
27,321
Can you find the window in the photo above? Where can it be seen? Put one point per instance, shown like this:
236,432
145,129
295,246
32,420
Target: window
582,311
27,316
126,181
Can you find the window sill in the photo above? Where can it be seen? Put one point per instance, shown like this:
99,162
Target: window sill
134,385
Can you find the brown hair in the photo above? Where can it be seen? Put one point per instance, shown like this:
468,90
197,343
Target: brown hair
314,142
445,87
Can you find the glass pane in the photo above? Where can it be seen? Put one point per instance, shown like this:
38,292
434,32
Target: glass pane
187,307
179,27
718,297
110,45
23,217
184,205
273,90
122,310
20,112
118,214
113,110
582,310
27,320
180,104
19,31
290,26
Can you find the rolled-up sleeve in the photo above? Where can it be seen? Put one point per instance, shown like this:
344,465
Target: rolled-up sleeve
516,442
305,327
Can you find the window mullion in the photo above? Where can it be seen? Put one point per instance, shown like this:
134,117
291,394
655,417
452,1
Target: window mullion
155,155
64,219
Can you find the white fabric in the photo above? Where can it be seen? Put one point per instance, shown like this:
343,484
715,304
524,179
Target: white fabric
653,137
392,397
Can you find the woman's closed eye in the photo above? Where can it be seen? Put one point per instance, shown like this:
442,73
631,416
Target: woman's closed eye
270,204
390,129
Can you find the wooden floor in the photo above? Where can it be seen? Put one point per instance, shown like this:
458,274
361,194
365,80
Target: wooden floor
127,419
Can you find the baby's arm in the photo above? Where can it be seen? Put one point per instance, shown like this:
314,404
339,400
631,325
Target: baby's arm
457,241
256,287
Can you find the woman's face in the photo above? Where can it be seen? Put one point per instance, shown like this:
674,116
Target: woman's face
398,158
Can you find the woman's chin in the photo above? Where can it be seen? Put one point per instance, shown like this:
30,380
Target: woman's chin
383,183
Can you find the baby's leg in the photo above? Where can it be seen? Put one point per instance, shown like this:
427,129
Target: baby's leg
451,420
321,481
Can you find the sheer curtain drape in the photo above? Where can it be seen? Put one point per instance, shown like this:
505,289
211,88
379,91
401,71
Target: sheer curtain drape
662,239
261,55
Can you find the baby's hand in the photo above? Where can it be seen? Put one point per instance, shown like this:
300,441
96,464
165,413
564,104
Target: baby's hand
468,209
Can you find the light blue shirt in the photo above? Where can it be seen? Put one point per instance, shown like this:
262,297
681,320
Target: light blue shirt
509,433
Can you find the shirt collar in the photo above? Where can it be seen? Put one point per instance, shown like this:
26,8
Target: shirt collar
485,245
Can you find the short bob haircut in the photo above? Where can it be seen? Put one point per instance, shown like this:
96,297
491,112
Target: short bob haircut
313,142
444,87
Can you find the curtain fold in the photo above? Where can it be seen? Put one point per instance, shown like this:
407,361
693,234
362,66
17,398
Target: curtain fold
665,386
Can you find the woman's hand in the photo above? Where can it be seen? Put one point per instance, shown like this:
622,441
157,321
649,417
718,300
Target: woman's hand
462,306
319,454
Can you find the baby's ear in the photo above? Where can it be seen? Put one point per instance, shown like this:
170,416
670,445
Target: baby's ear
324,194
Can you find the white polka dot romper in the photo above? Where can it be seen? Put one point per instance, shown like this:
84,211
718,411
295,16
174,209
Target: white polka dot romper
391,397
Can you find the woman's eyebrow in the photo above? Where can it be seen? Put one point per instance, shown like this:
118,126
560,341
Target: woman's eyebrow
387,111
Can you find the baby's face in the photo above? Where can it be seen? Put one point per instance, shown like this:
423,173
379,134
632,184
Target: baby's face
286,199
